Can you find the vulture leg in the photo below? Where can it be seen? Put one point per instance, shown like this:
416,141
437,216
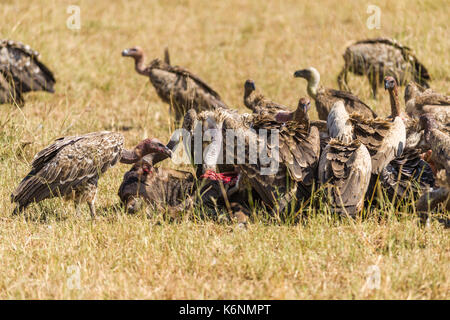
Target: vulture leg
373,79
343,84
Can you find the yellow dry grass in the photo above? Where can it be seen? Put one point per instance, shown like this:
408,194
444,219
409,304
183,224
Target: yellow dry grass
225,42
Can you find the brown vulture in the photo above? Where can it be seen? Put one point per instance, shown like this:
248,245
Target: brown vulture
176,86
325,97
21,72
380,57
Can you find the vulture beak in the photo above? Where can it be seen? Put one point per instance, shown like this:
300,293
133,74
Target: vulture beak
300,73
125,53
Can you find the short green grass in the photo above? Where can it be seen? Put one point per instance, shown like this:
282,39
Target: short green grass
144,256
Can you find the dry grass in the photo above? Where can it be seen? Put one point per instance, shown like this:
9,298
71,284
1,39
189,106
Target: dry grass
225,42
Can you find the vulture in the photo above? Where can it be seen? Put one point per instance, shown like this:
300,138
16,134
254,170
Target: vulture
380,57
325,97
407,172
160,187
176,86
71,166
256,101
439,142
419,101
21,72
286,165
345,166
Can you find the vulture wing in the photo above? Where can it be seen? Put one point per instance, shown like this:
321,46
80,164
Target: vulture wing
347,170
22,64
384,139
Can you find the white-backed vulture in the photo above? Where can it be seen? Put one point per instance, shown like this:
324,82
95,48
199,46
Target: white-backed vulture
345,166
295,156
71,167
380,57
21,72
176,86
325,97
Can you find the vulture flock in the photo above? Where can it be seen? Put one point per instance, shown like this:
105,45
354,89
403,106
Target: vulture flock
348,160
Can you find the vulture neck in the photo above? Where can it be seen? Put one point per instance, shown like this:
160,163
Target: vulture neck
313,85
129,156
395,103
140,65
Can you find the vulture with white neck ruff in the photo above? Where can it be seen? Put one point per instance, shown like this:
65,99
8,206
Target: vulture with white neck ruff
325,97
176,86
71,167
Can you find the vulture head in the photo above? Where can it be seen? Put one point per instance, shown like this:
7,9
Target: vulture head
310,74
134,52
389,83
249,87
149,146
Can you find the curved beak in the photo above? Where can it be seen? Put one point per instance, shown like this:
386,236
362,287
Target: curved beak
125,53
299,73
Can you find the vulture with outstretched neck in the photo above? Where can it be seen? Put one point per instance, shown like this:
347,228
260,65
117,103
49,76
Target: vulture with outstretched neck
345,166
71,167
325,97
255,100
380,57
176,86
21,72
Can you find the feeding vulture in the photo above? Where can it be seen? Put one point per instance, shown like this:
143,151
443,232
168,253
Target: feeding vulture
380,57
21,72
160,187
345,166
176,86
325,97
71,167
281,164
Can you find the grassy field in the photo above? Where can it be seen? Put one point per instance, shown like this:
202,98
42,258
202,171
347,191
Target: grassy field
57,255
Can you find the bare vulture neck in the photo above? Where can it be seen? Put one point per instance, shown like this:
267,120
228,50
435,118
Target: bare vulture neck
395,103
140,65
313,85
129,156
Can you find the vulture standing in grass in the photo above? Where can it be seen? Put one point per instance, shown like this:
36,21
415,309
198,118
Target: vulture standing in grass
256,101
71,167
380,57
325,97
439,143
21,72
285,171
345,166
176,86
420,101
